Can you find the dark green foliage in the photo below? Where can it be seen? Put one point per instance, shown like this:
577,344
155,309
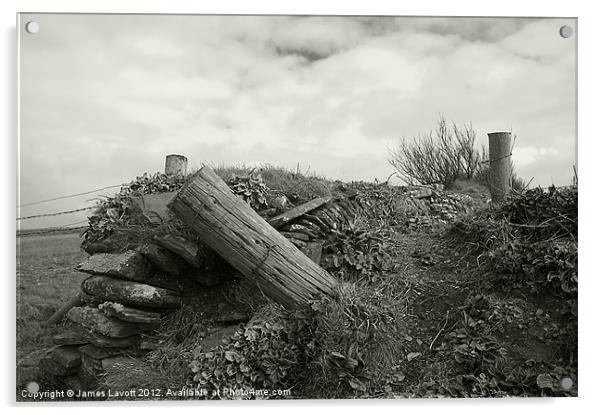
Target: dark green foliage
540,213
115,213
296,186
266,354
385,206
359,336
531,239
359,252
551,264
252,184
482,366
250,188
340,347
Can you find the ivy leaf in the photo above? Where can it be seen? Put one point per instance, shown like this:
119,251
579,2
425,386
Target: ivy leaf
412,356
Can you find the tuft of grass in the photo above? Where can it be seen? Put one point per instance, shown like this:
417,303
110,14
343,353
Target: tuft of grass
360,336
45,281
298,187
339,347
168,366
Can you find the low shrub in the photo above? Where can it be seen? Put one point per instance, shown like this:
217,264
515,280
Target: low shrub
296,186
437,157
266,354
250,188
359,251
482,366
338,347
531,239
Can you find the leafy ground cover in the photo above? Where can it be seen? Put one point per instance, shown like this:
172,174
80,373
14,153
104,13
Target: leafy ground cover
481,305
45,280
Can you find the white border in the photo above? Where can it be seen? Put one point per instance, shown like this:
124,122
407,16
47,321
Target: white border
589,148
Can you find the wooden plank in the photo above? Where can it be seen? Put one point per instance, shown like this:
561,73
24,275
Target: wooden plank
130,265
295,235
75,301
298,228
238,234
130,293
312,226
93,319
286,217
317,222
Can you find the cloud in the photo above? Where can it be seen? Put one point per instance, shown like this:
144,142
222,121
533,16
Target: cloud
524,156
104,98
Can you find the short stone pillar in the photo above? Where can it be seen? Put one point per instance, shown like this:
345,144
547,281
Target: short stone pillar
176,165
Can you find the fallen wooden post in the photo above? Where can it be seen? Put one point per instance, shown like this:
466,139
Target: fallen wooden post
239,235
75,301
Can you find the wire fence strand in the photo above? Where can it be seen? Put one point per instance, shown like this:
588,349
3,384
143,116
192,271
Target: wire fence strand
42,231
70,196
66,212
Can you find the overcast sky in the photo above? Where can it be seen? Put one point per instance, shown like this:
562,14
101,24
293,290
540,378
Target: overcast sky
105,98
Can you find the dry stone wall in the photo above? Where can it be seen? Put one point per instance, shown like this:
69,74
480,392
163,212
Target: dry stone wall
127,292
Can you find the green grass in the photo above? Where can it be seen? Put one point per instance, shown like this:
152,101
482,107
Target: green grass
45,280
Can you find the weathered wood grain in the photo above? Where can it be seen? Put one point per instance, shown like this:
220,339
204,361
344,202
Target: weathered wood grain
239,235
286,217
75,301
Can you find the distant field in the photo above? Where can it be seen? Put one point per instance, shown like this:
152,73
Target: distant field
45,280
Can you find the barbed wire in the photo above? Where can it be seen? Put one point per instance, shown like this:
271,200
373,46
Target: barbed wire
42,231
69,196
66,212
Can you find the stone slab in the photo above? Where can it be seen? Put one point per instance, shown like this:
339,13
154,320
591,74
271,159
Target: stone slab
95,320
130,293
130,265
129,314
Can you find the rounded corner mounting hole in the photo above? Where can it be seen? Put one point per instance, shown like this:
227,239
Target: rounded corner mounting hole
32,27
566,31
566,383
33,387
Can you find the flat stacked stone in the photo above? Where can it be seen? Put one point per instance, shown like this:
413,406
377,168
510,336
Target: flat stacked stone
125,295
